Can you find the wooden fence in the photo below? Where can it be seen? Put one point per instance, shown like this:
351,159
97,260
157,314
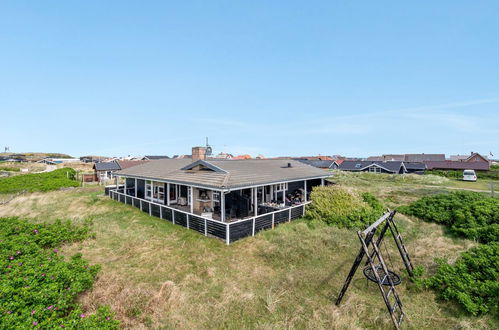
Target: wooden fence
229,232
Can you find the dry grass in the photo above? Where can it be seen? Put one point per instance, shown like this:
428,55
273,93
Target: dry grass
78,166
157,275
32,167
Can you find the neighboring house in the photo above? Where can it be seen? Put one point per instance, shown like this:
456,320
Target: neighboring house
416,168
391,167
53,161
47,161
241,157
104,170
229,199
423,158
92,159
474,161
154,157
324,164
223,155
412,158
457,165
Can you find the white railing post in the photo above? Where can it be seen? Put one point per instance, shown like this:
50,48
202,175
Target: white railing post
205,227
303,210
289,215
273,216
150,209
253,232
227,234
161,212
173,216
141,205
187,221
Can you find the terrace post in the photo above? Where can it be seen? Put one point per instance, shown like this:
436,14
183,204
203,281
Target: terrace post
222,206
322,182
135,187
124,190
168,194
255,201
192,199
305,184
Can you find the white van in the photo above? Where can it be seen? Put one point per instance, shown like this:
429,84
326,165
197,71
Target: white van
469,175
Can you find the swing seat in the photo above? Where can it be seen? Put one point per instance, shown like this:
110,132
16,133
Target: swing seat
369,274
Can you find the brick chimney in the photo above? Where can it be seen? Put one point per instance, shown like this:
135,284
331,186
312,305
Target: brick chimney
198,153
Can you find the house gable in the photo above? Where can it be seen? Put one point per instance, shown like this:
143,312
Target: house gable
476,157
202,165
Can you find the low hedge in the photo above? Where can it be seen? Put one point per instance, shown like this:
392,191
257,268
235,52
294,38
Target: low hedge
471,281
38,286
336,206
61,178
468,214
492,174
10,169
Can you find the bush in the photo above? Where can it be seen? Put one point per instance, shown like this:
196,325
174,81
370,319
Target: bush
38,287
335,205
492,174
468,214
471,281
64,177
10,169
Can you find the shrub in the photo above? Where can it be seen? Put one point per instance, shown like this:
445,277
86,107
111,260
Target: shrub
64,177
471,281
335,205
468,214
38,287
492,174
10,169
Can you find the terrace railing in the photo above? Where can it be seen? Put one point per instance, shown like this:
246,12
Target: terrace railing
229,232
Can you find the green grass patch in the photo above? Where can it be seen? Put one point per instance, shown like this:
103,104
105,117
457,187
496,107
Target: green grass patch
54,180
337,206
38,287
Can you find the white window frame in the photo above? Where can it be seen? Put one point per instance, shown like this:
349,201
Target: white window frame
148,190
158,190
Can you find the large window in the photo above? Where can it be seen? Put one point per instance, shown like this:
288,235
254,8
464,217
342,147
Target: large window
149,190
159,192
374,169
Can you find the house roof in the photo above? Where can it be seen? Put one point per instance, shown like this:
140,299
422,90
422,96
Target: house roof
388,157
353,165
229,174
155,157
107,166
415,166
117,165
318,163
130,163
418,158
458,165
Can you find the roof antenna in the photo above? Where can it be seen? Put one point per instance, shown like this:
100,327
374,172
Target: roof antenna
209,150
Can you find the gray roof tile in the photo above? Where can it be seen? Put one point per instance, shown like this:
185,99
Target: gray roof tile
239,173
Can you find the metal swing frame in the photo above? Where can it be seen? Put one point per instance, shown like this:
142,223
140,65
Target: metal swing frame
366,237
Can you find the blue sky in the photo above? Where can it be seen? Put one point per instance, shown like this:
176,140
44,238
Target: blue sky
356,78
